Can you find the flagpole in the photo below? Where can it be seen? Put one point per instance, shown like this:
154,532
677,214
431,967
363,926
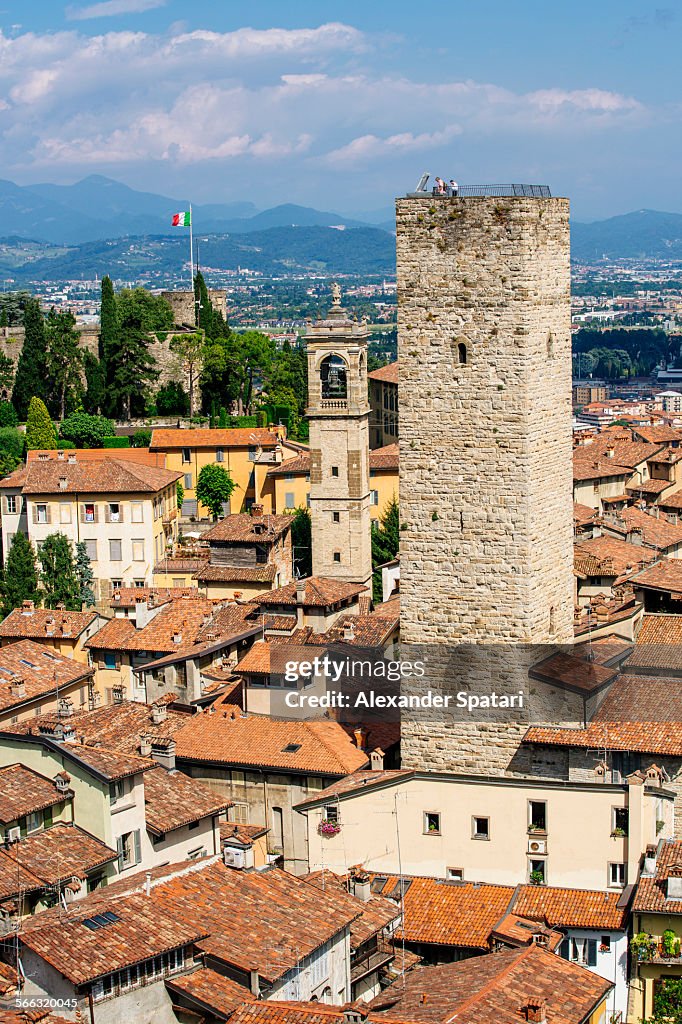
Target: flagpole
191,251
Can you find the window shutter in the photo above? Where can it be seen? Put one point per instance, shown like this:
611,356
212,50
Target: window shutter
35,514
5,504
591,952
120,851
564,949
138,854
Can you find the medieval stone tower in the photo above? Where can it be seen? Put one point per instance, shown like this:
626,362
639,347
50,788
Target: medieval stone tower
338,414
485,436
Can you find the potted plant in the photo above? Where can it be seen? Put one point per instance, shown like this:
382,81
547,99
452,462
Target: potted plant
668,943
537,878
642,946
328,828
618,831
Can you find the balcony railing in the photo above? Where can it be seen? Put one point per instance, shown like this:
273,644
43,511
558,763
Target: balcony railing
373,961
168,517
473,191
334,403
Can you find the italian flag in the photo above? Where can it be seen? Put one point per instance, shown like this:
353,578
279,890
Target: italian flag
182,220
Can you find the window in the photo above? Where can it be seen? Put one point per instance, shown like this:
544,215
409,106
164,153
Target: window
138,551
240,814
617,875
319,965
186,455
461,353
335,470
537,872
219,455
114,512
188,482
115,554
605,944
33,821
116,791
337,556
129,849
431,823
110,660
374,497
583,951
619,821
138,583
196,854
41,514
455,874
537,816
136,515
11,503
331,812
193,825
116,584
290,500
277,827
480,828
336,517
88,512
91,549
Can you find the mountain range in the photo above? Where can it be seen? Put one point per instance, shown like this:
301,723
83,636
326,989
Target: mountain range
645,234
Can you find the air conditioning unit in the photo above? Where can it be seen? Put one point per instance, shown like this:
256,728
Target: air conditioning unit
233,858
13,834
537,846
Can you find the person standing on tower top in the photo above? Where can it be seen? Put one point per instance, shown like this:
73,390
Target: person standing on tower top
453,187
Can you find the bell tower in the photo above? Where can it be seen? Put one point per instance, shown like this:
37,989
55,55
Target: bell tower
338,414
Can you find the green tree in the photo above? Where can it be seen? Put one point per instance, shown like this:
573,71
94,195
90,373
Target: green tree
189,349
142,438
19,581
95,383
172,400
214,488
12,443
180,491
84,575
140,314
12,307
40,432
86,431
203,306
301,542
385,543
31,376
8,415
58,572
6,374
108,330
64,360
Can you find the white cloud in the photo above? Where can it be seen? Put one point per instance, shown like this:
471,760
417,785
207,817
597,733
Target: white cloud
371,147
111,8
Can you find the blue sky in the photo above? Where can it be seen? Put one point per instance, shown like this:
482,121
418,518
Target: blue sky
342,106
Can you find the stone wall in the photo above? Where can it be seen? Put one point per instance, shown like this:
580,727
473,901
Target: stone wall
485,444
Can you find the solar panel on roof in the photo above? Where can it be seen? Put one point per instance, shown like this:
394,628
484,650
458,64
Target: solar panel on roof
101,920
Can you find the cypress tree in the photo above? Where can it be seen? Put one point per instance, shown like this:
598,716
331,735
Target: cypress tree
20,577
203,305
58,575
31,376
40,432
84,575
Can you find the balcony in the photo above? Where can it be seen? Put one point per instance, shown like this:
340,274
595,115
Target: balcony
380,957
168,517
334,403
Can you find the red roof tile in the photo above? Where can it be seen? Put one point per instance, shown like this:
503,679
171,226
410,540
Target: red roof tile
651,895
109,476
172,800
60,852
42,623
206,437
387,373
23,790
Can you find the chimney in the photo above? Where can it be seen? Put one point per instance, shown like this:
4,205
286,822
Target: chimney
145,746
636,537
65,709
362,886
300,601
147,883
376,760
535,1010
63,483
256,510
163,751
60,455
17,687
610,451
159,713
142,615
349,631
61,781
673,889
177,637
27,607
360,736
72,457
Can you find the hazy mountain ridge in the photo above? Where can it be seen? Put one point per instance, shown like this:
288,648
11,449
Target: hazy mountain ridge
644,234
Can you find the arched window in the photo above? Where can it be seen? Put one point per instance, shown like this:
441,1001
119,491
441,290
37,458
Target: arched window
461,353
333,377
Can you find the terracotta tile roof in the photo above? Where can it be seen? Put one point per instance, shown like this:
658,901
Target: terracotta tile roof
242,528
280,1012
15,879
128,597
110,764
658,646
183,618
615,557
658,435
387,373
40,623
211,991
641,698
230,620
375,914
359,780
665,575
299,466
572,908
60,852
461,914
171,565
23,790
108,476
516,930
657,532
597,468
320,592
494,989
583,514
649,487
235,574
603,611
172,799
42,670
284,623
646,737
573,673
605,650
626,452
32,1017
672,501
117,727
242,833
651,895
386,458
140,455
206,437
322,747
141,930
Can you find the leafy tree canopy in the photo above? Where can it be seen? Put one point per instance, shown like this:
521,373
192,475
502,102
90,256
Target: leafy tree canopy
19,580
40,432
86,431
58,572
214,488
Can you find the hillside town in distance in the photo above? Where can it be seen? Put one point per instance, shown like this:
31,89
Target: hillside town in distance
215,504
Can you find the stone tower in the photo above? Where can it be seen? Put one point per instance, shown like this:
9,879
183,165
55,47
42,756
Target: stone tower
485,437
338,414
